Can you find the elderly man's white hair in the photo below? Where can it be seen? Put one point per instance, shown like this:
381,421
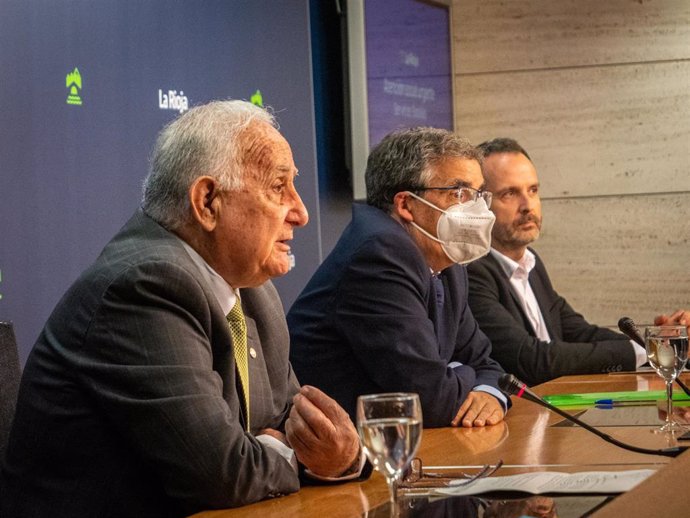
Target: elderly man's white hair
204,141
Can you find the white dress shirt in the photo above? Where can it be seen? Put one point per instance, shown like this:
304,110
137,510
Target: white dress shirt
518,274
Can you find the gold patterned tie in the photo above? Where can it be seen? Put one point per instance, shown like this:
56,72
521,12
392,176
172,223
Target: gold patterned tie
238,330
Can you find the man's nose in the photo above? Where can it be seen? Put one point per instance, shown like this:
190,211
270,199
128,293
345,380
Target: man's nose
527,203
298,215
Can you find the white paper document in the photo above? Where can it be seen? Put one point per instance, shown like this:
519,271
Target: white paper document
554,482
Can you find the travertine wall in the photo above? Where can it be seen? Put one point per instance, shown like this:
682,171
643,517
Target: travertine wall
599,95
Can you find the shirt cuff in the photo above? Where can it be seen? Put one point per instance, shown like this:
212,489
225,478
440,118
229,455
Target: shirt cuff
495,393
488,389
640,354
284,450
350,474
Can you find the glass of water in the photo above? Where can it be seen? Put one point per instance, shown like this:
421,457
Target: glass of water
390,428
667,351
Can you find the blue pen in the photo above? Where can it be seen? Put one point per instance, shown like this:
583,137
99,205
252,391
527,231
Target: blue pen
610,403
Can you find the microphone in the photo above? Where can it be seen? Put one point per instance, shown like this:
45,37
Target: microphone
513,386
629,329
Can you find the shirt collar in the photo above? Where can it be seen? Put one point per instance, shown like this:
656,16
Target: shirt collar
225,294
527,262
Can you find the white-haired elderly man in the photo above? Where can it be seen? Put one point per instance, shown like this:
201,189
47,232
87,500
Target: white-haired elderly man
160,385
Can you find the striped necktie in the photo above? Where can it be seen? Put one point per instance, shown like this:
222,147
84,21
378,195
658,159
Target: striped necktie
238,330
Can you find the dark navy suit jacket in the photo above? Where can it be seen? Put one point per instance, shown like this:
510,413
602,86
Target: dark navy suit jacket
576,346
368,322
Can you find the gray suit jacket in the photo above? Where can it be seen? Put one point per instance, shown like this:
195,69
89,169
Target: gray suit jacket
576,346
129,403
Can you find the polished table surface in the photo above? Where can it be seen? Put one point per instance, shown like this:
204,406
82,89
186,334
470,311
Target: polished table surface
525,441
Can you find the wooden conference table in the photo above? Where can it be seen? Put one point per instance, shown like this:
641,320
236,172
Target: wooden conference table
525,441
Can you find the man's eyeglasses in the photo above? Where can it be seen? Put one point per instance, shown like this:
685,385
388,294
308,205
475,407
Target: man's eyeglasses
462,194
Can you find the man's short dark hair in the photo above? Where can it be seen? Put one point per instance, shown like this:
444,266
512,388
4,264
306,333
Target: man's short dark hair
404,159
501,145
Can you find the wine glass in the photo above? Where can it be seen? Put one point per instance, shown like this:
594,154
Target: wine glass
390,428
667,351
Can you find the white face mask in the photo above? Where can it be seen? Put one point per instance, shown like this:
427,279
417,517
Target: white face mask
464,230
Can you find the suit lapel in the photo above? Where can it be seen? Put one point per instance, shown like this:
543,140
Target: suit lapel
517,303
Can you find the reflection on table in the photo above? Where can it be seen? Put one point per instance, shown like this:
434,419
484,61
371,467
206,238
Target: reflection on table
528,440
496,507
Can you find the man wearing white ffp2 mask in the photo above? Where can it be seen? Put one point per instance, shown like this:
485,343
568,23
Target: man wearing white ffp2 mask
387,310
464,229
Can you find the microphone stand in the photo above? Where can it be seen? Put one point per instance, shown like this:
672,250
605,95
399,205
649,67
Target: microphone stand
666,452
510,384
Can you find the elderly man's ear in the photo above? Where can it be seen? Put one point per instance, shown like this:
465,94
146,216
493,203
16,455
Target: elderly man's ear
205,201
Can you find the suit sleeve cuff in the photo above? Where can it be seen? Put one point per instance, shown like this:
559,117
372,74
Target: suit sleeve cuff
640,355
285,451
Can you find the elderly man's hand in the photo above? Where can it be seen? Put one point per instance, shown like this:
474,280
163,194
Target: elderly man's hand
479,409
321,433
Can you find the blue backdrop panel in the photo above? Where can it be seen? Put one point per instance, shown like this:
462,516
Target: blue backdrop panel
71,174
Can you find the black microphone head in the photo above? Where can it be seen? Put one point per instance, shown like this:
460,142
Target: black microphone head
628,327
626,323
510,384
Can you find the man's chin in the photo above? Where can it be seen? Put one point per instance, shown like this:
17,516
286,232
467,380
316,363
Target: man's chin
520,239
280,267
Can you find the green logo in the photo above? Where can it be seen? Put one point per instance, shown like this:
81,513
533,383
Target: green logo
256,99
73,82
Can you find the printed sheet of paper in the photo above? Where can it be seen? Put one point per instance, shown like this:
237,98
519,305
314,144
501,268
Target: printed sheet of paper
555,482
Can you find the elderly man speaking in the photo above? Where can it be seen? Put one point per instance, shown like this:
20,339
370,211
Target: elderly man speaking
160,385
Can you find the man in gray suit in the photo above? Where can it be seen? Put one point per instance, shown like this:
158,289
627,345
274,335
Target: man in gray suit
140,398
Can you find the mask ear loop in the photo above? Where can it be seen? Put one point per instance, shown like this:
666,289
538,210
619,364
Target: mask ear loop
433,238
426,233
